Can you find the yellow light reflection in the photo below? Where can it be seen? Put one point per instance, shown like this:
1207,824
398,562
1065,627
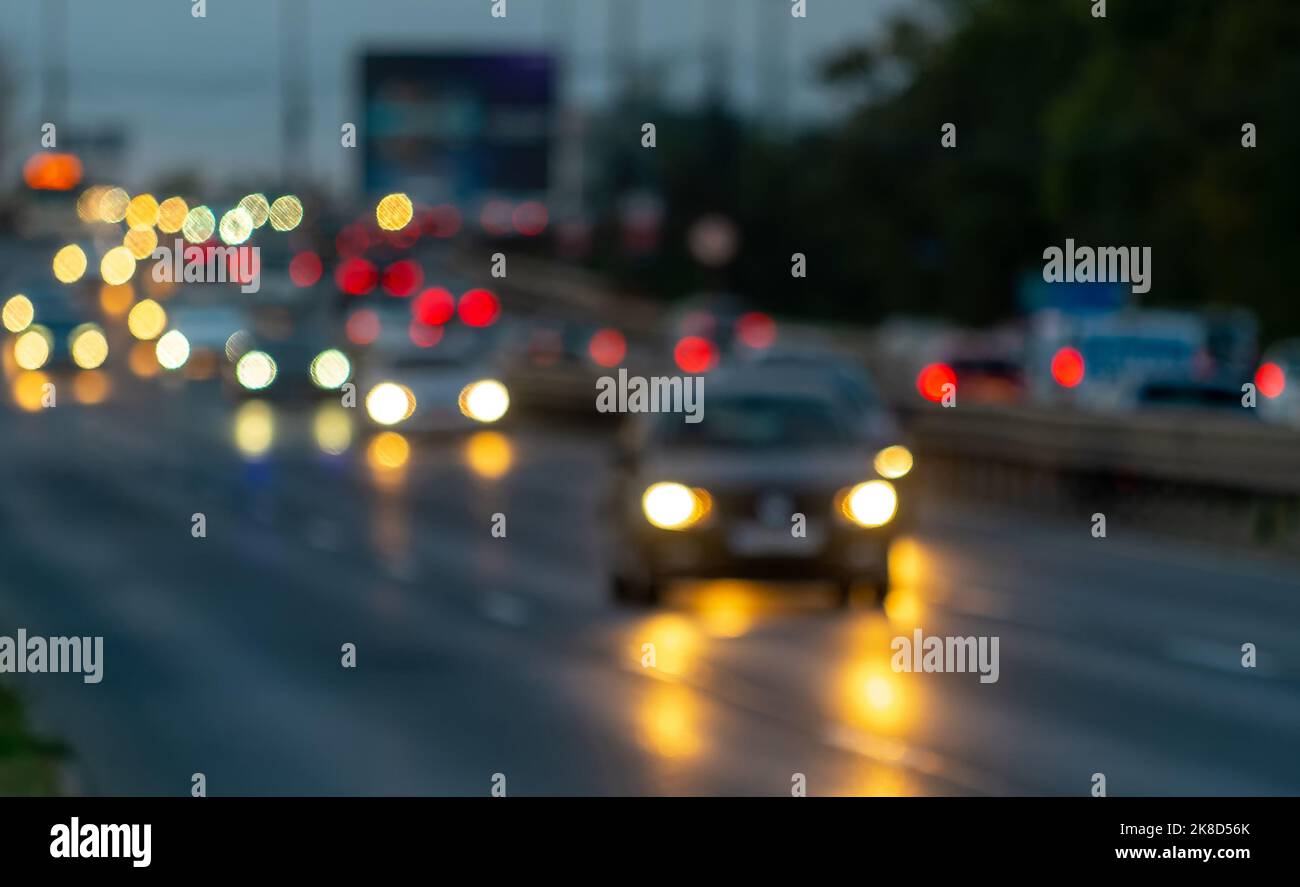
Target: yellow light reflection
906,563
332,429
875,697
668,721
254,429
29,390
115,301
387,456
388,450
726,608
904,606
665,644
489,454
90,387
142,361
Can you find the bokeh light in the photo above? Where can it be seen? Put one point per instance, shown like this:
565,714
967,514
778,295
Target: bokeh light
695,354
140,242
394,212
199,225
330,369
171,214
146,320
478,308
88,346
236,226
117,266
257,208
255,370
18,313
142,211
286,213
32,348
69,264
172,350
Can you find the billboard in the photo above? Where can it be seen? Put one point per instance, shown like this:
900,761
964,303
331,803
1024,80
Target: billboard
457,128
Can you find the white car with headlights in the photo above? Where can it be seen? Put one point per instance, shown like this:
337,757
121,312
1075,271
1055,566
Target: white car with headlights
450,386
778,481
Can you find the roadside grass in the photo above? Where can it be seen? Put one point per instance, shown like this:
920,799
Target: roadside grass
29,765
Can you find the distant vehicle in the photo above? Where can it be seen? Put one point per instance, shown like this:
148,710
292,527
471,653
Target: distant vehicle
1190,395
1277,381
60,337
452,385
215,332
550,366
988,379
281,355
779,481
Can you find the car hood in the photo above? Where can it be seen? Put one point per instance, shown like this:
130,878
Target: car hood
739,469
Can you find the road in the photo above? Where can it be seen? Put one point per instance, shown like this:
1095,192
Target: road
479,655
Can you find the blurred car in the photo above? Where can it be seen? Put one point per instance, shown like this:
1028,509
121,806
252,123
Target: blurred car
284,355
722,497
51,333
551,369
988,379
1221,396
452,385
214,331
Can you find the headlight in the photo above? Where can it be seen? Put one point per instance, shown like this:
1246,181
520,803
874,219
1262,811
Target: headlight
389,403
330,369
893,462
255,370
673,506
485,400
88,346
32,348
870,504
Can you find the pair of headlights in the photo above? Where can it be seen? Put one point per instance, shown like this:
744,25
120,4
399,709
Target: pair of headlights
486,401
673,506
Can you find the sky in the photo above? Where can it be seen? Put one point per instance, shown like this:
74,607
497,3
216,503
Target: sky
204,93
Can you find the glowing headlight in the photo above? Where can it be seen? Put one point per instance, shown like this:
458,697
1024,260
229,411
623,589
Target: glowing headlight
172,350
88,346
893,462
255,370
330,369
18,313
484,401
389,403
672,506
871,504
32,348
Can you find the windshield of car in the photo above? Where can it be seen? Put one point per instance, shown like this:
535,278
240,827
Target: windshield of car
757,421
